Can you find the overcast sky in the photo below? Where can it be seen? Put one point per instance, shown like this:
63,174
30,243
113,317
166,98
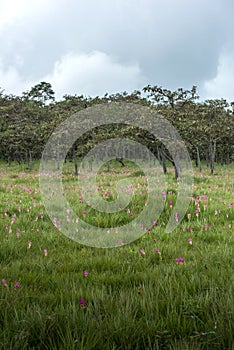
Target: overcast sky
92,47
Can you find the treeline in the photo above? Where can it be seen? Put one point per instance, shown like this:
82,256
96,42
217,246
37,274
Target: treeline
27,121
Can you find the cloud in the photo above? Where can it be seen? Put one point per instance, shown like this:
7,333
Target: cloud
93,74
222,85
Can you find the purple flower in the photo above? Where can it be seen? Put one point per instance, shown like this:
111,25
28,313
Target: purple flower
190,240
85,272
16,285
45,252
176,260
142,251
4,282
82,302
157,251
181,260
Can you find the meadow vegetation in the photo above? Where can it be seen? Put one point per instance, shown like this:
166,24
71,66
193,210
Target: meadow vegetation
162,291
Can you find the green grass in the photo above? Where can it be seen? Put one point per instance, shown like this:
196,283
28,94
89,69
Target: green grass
132,301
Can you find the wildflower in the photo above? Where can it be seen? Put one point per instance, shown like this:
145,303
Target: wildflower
85,272
142,251
190,240
12,220
205,227
181,260
29,244
157,251
82,302
4,282
131,215
41,214
189,215
190,229
16,285
155,223
9,229
197,212
45,252
120,241
148,229
170,204
84,212
230,205
176,260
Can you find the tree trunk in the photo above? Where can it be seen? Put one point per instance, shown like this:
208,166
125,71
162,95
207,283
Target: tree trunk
212,155
198,160
75,160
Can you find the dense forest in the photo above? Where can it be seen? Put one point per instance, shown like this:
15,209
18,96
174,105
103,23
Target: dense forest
27,121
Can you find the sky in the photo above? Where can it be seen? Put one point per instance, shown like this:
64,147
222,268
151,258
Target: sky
95,47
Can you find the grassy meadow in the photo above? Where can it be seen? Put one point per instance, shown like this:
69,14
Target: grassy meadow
162,291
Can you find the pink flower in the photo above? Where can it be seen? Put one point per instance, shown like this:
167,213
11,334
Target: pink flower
84,212
157,251
170,204
85,272
41,214
131,215
190,240
4,282
82,302
16,285
148,229
142,251
189,216
29,244
155,223
45,252
176,260
181,260
230,205
120,241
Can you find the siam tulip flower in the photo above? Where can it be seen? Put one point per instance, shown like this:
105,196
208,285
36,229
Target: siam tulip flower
204,207
85,272
12,220
84,212
4,282
158,251
82,302
131,215
29,244
148,229
181,260
191,229
205,227
41,214
176,260
155,223
45,252
190,240
170,204
17,284
196,212
230,205
142,251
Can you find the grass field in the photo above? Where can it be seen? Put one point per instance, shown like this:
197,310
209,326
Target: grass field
162,291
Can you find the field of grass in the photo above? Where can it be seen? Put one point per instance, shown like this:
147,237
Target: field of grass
162,291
